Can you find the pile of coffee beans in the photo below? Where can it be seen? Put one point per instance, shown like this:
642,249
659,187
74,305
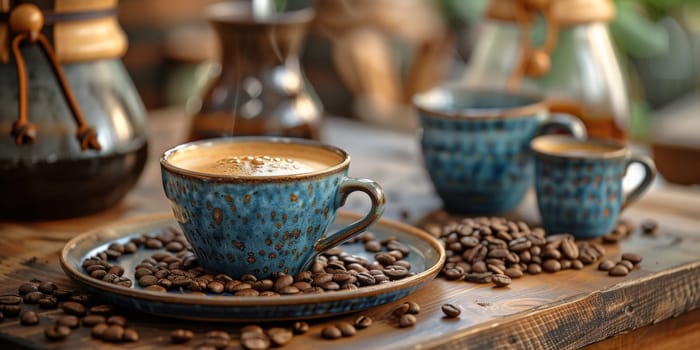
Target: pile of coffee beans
496,250
627,263
405,314
103,320
177,268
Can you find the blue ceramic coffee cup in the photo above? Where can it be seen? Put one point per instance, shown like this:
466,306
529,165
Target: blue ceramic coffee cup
475,145
579,183
261,205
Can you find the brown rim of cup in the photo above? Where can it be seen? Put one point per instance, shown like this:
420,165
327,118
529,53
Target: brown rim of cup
520,111
342,165
617,149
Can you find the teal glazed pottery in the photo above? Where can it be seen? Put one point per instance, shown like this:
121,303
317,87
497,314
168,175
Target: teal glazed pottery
262,224
48,167
475,145
426,256
579,183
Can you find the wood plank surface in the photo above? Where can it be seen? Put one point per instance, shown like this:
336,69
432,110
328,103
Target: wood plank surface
568,309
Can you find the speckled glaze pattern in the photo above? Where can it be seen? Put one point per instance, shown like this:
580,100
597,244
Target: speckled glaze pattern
479,166
475,145
260,227
583,195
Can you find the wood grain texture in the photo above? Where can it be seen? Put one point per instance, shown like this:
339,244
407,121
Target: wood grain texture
569,309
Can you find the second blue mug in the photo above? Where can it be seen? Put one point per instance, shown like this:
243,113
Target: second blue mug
475,145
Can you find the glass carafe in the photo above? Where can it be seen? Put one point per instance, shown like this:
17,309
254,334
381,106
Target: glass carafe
561,48
261,89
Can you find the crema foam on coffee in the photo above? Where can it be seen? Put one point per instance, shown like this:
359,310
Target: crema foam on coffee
254,159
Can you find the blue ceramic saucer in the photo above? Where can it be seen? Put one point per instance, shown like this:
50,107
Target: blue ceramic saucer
427,257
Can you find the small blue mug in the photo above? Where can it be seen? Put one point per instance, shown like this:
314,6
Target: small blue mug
579,183
241,222
475,145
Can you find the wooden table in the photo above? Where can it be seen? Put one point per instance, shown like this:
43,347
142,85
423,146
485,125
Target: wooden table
653,307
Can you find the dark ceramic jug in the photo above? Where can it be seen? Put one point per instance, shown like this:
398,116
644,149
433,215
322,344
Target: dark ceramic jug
73,130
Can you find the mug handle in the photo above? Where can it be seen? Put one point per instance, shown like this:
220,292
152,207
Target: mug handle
349,185
649,175
573,125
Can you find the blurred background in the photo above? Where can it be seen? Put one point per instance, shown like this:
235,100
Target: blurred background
365,58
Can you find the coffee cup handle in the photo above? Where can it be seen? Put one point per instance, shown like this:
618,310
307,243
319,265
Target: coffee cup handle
649,175
574,126
349,185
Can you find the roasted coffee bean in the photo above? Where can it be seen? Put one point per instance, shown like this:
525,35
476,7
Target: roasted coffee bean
113,333
346,329
632,257
93,320
451,311
280,336
263,285
576,264
407,320
362,322
10,299
569,248
153,243
551,265
98,274
56,332
627,264
117,319
649,227
29,318
156,288
534,269
47,287
122,281
179,336
98,330
413,307
401,310
130,248
619,270
500,280
478,277
282,282
396,271
249,292
112,254
131,335
10,310
248,278
26,288
69,321
606,265
496,269
103,309
289,290
479,267
255,341
73,308
117,270
148,280
33,297
513,272
453,274
63,294
385,259
215,287
300,327
48,302
174,246
331,332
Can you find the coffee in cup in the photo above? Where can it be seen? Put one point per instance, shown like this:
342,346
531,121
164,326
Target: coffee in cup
260,205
